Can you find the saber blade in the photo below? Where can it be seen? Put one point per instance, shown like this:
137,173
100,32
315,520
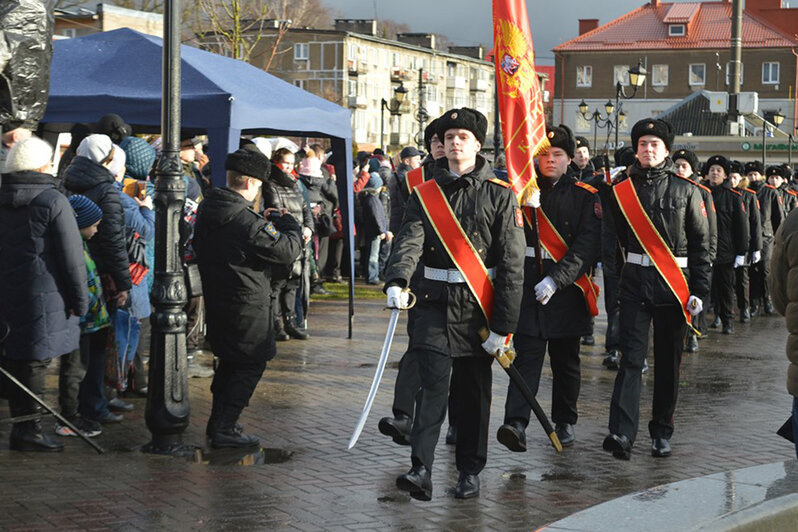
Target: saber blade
375,384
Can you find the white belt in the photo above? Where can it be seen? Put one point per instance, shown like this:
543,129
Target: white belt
530,252
452,276
644,260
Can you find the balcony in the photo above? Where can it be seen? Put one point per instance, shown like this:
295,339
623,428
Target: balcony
357,102
428,77
400,74
479,85
353,67
456,82
400,139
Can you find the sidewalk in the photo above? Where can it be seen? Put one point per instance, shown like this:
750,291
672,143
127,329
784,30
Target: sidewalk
733,398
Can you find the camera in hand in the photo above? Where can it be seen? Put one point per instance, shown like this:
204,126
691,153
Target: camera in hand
273,216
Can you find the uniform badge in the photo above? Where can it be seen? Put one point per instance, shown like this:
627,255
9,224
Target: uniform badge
519,217
551,134
597,210
650,125
703,210
271,231
454,116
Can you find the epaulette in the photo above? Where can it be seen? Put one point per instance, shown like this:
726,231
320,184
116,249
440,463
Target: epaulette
737,192
687,179
750,191
771,186
497,181
589,188
704,187
792,192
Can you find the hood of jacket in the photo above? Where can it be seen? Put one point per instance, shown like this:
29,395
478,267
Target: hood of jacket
20,188
220,206
84,174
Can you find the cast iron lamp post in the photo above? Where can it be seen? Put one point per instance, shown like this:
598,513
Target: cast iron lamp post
637,77
399,94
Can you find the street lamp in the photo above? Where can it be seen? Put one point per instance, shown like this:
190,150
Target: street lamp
597,119
399,94
778,118
637,77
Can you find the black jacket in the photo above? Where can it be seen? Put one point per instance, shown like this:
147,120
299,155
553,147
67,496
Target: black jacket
109,245
322,191
398,198
575,212
42,270
235,247
373,220
771,209
712,218
675,207
448,317
282,192
587,174
752,207
734,235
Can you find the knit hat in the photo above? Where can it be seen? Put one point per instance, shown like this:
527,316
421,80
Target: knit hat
249,163
689,156
114,126
310,166
718,160
96,147
562,137
581,142
31,153
118,162
430,131
374,164
140,157
463,118
375,181
754,166
653,126
736,167
86,211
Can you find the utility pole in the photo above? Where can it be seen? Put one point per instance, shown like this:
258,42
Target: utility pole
736,62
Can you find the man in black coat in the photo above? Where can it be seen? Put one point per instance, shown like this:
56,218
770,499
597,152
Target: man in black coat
734,236
236,247
449,318
554,312
674,207
772,215
742,283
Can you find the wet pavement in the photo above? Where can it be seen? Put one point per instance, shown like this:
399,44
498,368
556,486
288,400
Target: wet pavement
733,399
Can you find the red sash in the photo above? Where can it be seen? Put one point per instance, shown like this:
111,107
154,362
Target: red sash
414,178
554,244
456,242
652,243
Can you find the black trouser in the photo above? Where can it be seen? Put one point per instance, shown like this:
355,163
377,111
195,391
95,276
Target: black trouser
611,305
564,361
322,250
723,292
669,326
760,291
71,371
336,252
138,377
742,287
472,379
31,373
284,298
234,382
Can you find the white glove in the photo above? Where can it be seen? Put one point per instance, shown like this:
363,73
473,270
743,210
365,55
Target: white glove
694,305
739,260
545,289
494,343
534,200
306,233
397,298
756,256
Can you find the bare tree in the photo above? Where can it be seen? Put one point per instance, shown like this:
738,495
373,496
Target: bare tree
389,29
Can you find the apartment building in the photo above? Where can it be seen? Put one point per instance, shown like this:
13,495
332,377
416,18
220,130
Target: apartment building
84,20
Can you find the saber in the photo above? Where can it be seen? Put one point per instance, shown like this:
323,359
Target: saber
375,383
505,359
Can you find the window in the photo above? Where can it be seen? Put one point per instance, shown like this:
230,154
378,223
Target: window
395,60
351,87
451,69
728,73
676,30
620,74
299,83
430,94
697,74
659,75
69,32
301,51
584,76
770,73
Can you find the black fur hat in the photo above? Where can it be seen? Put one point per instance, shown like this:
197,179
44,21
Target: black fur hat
719,160
562,137
688,156
653,126
582,142
430,132
779,170
249,163
463,118
754,166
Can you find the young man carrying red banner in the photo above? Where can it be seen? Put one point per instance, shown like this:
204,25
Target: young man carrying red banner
555,311
661,224
467,229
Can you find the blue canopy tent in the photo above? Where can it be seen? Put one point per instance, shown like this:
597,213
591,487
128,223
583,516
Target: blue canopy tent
120,72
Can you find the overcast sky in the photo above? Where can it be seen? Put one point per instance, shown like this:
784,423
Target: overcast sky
468,22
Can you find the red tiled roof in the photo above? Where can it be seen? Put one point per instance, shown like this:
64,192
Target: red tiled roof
645,29
681,13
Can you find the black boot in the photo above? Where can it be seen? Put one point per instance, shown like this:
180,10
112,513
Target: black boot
716,322
227,435
692,343
279,331
29,437
513,436
612,359
398,428
293,331
768,307
745,315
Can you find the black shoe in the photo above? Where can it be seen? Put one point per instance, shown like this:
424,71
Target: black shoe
451,435
118,405
745,315
232,438
417,482
512,435
565,433
692,344
29,437
397,428
110,417
728,328
754,311
715,323
141,392
279,330
467,486
319,290
645,366
619,445
588,340
294,332
612,359
768,307
660,448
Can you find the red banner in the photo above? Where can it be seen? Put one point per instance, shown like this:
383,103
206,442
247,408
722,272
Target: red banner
414,178
520,98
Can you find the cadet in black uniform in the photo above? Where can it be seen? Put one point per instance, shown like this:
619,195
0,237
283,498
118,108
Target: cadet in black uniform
772,215
779,177
741,275
235,248
445,335
734,238
553,309
674,206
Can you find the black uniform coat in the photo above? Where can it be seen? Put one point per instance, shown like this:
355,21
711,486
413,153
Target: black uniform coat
574,211
235,247
734,234
771,209
712,218
675,207
448,316
752,207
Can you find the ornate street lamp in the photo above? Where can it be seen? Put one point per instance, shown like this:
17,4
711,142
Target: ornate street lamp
778,118
637,78
399,94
